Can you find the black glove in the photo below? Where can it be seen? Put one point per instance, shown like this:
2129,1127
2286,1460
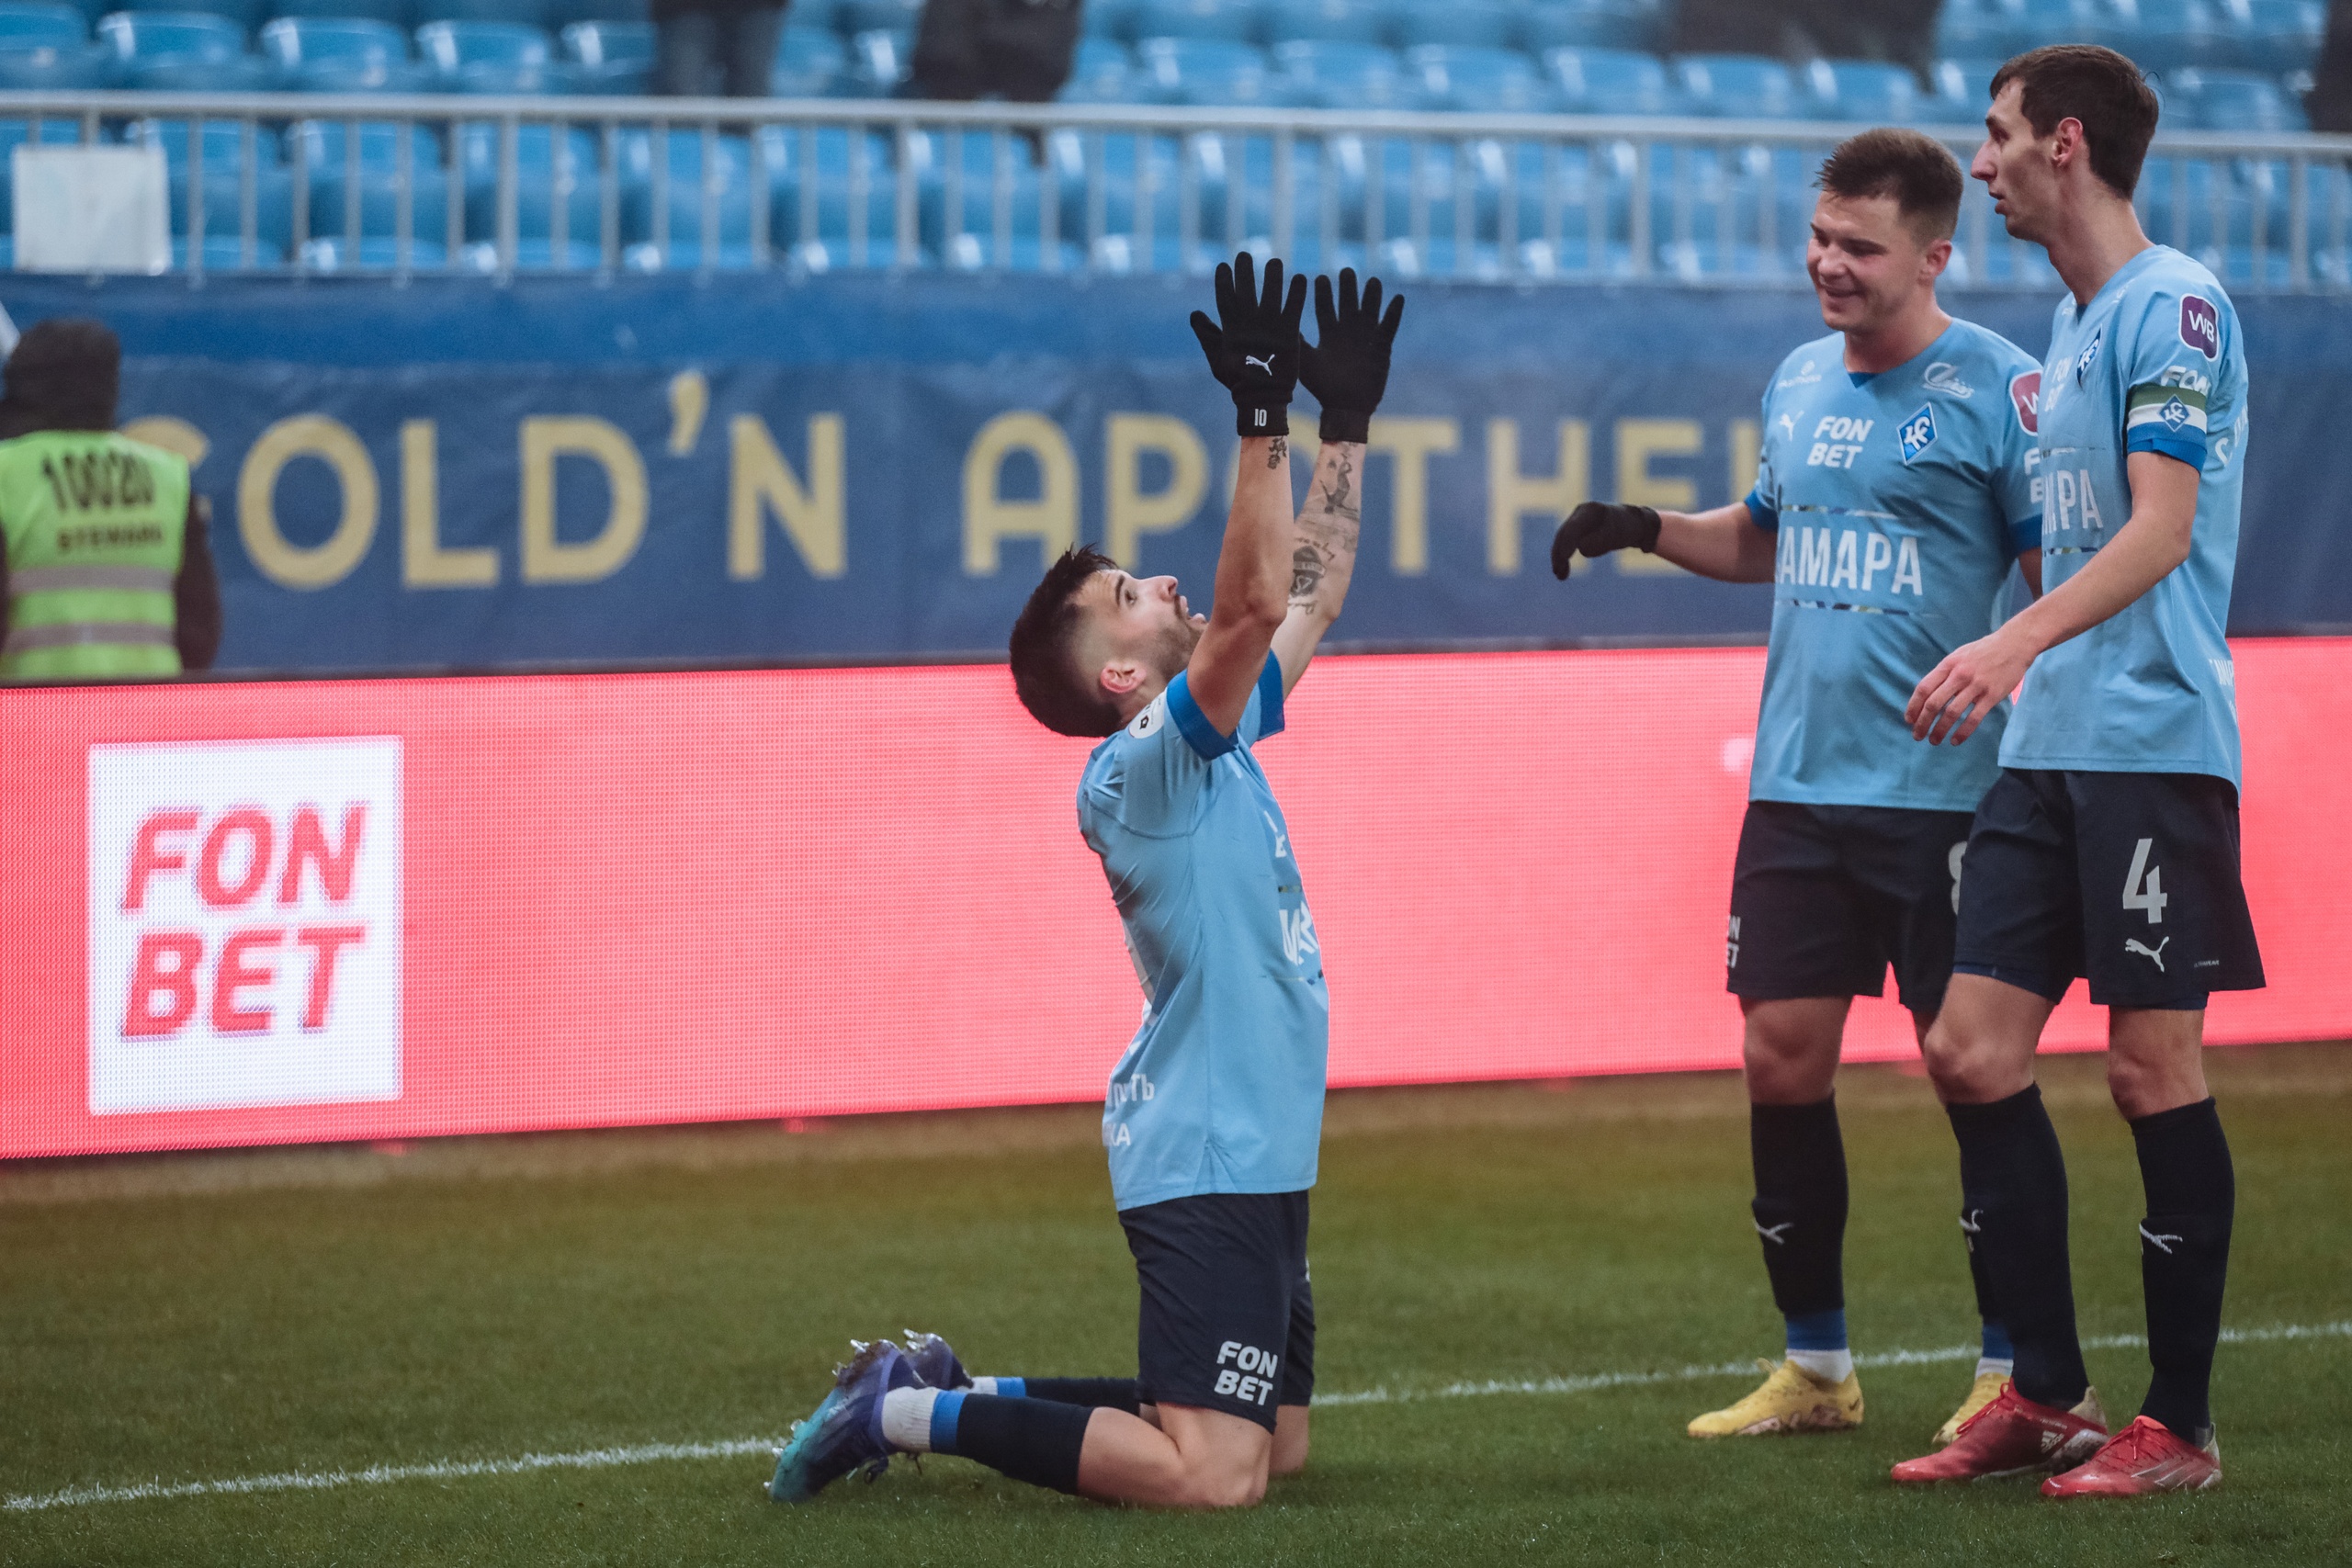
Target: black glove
1598,528
1347,370
1255,351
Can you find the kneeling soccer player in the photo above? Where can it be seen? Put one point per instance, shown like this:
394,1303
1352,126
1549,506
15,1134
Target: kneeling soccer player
1895,487
1215,1112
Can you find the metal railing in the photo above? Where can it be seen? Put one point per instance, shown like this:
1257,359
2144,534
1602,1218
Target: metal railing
406,186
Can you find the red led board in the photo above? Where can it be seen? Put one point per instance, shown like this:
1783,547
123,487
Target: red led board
296,911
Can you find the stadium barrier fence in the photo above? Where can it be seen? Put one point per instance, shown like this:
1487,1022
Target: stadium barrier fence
405,184
271,912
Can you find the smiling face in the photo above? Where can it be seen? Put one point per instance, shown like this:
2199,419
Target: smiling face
2017,167
1867,264
1140,633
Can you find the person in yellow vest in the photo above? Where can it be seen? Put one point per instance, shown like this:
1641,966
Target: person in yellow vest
108,569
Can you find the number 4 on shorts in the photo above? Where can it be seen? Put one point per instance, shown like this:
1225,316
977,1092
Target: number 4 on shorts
2143,884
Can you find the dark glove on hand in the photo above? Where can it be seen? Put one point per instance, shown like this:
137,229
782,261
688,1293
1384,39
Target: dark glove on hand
1253,345
1347,370
1598,528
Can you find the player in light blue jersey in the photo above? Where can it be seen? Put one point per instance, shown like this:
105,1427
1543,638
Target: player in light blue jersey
1215,1112
1896,487
2109,846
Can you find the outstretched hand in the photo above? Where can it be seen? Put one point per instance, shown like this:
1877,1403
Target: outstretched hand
1348,369
1252,346
1596,527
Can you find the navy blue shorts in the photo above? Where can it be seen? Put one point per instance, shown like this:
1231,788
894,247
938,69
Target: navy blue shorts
1228,1321
1824,897
2131,879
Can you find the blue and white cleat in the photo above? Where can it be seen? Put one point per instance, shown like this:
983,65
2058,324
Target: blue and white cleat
844,1432
935,1362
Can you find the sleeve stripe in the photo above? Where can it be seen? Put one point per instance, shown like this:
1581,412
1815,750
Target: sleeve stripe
2025,534
1193,725
1762,513
1269,699
2183,446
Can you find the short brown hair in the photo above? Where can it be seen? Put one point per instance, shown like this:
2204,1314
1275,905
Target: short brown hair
1046,675
2101,89
1916,170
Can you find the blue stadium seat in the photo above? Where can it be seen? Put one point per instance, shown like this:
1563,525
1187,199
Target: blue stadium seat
610,43
373,254
1985,29
1124,158
2230,100
321,146
1585,24
2276,35
813,204
1346,76
1101,71
534,14
52,68
855,17
879,64
1474,78
1201,71
341,54
1736,87
1963,92
1608,80
1233,19
1460,24
1869,90
550,176
223,142
182,51
392,11
2165,35
725,180
809,64
226,253
491,57
246,14
565,12
1336,21
1109,19
29,23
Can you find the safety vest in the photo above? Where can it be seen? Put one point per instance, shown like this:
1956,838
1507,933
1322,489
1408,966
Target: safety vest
93,523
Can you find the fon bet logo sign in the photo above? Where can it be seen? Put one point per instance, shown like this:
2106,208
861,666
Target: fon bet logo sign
245,902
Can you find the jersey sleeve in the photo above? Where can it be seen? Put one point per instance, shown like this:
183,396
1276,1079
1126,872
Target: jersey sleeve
2168,370
1261,718
2016,477
1152,778
1764,497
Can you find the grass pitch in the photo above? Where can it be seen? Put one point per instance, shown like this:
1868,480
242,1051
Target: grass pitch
305,1313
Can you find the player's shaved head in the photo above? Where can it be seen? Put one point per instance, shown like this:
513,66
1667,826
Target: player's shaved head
1048,673
1916,171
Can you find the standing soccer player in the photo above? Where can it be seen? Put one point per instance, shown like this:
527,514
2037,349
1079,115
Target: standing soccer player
1895,489
2109,846
1215,1112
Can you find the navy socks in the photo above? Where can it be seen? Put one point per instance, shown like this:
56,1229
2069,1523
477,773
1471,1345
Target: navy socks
1800,1208
1035,1440
2183,1257
1117,1393
2013,1190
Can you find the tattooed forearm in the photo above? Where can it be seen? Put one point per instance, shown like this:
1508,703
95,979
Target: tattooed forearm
1306,575
1338,492
1276,450
1328,530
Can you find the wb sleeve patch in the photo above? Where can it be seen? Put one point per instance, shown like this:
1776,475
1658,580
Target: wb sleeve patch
2200,325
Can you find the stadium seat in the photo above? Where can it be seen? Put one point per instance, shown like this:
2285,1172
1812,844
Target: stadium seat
26,24
1985,30
1201,71
491,57
372,254
565,12
879,64
2229,100
1865,90
54,68
1736,87
332,195
2165,35
1233,19
610,43
1474,78
223,142
814,201
341,54
809,64
1101,71
1335,21
1345,75
704,177
2275,36
1584,24
1459,24
1963,92
1109,19
534,14
550,176
246,14
855,17
392,11
1608,80
182,51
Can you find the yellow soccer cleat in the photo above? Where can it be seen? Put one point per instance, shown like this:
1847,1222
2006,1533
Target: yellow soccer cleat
1982,1392
1790,1400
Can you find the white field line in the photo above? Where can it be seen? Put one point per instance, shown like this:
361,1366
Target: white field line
649,1453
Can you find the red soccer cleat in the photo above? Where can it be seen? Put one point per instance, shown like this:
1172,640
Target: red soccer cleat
2010,1437
2147,1456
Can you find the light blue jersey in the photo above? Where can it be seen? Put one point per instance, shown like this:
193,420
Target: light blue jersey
1221,1090
1900,500
2152,364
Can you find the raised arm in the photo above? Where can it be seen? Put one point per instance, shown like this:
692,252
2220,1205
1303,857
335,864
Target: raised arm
1252,347
1724,544
1346,369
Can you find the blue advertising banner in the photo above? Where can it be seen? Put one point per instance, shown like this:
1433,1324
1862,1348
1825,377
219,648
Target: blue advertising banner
449,475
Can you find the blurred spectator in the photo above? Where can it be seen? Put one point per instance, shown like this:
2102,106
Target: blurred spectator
1901,32
2329,102
1017,49
105,564
707,47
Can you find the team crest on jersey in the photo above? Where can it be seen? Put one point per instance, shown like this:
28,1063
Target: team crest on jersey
1918,432
2200,325
1944,378
1151,717
2083,361
2025,396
